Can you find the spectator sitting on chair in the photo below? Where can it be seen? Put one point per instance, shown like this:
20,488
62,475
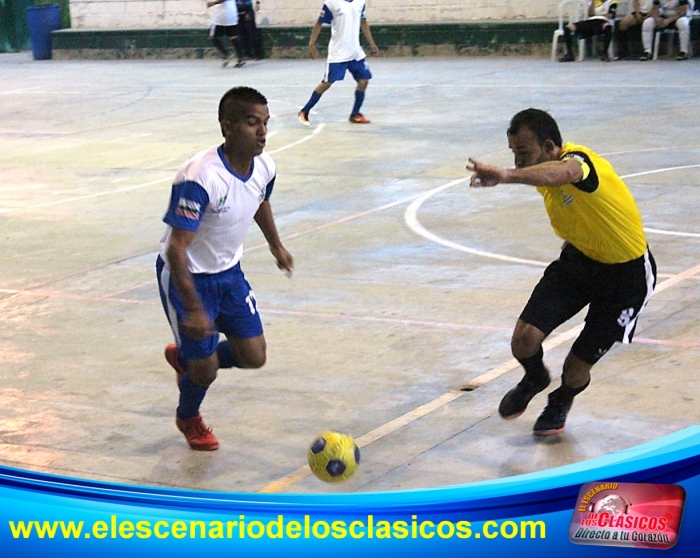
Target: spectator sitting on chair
641,10
667,14
601,18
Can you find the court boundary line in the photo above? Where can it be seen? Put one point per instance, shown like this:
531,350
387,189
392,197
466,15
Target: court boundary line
29,208
385,429
414,224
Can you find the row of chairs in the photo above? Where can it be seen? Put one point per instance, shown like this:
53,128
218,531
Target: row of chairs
571,11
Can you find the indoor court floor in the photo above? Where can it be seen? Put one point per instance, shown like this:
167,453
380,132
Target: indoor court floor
395,326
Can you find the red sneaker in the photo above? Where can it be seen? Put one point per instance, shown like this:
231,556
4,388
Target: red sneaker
199,435
359,119
172,355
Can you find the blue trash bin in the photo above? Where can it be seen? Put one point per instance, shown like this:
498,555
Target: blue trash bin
42,20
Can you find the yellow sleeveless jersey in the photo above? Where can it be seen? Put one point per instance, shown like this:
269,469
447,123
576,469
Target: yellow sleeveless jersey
597,214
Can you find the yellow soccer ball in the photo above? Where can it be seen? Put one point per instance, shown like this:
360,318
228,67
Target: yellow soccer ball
334,456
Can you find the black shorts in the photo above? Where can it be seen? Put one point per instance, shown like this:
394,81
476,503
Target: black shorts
616,294
590,27
224,31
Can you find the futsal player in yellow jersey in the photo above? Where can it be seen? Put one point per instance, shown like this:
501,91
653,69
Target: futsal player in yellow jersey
605,262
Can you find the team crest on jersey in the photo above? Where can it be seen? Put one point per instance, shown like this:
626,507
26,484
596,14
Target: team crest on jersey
188,209
221,205
566,199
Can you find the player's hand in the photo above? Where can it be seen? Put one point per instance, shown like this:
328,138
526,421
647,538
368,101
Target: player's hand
285,261
313,53
375,49
197,325
484,175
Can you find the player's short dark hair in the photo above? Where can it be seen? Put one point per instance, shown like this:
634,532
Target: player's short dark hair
237,97
539,122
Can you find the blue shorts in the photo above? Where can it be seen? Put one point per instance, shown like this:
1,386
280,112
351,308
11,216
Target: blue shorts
335,71
227,298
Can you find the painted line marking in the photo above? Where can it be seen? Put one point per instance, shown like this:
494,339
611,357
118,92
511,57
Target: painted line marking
112,297
302,472
316,131
412,222
302,140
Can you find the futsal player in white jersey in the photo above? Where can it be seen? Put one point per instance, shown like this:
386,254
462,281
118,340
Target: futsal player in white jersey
224,23
346,18
216,196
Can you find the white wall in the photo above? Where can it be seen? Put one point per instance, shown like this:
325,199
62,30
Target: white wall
149,14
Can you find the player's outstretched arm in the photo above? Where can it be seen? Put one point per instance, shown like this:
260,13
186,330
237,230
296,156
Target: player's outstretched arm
367,32
266,222
549,173
485,175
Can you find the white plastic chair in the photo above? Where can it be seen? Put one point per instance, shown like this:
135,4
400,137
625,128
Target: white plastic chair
671,32
570,11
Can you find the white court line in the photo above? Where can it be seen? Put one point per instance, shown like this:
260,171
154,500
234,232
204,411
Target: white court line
650,150
76,198
302,140
384,430
411,219
145,184
672,233
127,138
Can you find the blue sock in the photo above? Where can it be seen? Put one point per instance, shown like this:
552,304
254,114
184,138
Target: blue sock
359,99
191,397
225,354
315,98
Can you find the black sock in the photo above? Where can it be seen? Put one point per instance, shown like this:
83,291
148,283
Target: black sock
569,41
535,370
566,394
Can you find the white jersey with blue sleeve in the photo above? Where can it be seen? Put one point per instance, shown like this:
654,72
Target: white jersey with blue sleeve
210,198
344,17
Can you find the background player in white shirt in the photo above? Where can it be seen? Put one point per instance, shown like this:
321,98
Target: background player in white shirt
347,18
216,196
224,23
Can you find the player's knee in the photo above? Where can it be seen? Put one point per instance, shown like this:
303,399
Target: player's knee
577,372
202,372
256,359
526,341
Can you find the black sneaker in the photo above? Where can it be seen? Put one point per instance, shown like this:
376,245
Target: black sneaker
516,400
646,56
552,419
567,58
682,56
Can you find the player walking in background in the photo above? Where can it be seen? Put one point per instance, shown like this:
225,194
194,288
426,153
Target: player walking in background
224,23
605,262
215,197
249,33
346,18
